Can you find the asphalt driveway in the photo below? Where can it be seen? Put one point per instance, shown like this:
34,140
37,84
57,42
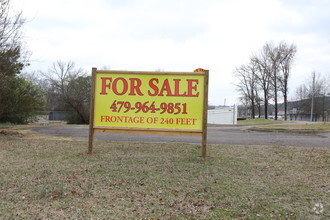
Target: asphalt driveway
234,135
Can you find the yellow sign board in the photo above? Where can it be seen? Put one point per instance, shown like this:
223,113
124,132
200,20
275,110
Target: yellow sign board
149,100
149,103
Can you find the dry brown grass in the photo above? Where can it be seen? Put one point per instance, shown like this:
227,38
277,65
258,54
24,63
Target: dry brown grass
55,179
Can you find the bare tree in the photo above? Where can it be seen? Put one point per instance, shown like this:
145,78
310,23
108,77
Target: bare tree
274,56
312,95
246,75
263,75
287,54
274,65
10,26
268,71
10,35
258,101
280,58
243,110
70,85
12,58
299,103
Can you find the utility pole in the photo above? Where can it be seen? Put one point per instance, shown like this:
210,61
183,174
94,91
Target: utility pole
313,89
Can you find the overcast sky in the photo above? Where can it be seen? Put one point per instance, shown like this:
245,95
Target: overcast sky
177,35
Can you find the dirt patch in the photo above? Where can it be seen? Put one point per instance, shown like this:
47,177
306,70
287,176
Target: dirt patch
24,131
11,133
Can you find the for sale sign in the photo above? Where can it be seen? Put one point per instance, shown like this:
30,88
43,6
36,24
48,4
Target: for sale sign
149,102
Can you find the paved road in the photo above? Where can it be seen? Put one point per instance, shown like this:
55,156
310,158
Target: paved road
235,135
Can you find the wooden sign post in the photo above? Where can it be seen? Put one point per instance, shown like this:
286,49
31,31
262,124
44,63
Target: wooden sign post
169,103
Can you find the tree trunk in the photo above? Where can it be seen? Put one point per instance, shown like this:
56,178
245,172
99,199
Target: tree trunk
266,105
276,106
253,106
285,105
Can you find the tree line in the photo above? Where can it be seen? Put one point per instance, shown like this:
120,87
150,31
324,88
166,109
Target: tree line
313,98
24,96
265,77
68,88
19,98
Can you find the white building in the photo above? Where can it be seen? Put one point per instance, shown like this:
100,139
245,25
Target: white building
327,93
222,115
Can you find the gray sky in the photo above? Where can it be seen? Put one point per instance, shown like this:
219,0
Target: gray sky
177,35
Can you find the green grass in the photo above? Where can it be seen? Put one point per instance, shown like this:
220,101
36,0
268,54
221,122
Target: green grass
45,179
258,121
297,127
6,125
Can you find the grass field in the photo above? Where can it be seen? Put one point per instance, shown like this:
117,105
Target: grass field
259,121
55,179
297,127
